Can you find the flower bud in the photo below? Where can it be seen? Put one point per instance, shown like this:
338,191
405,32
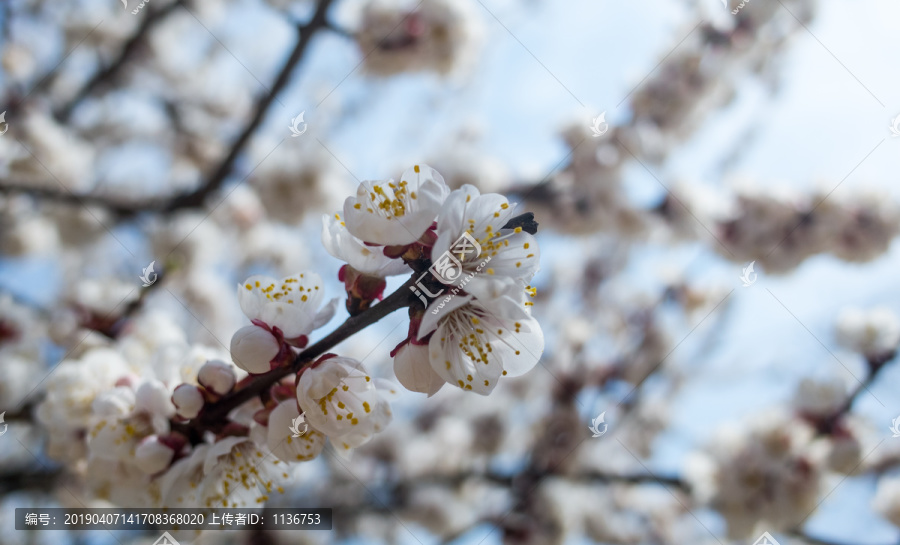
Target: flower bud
252,348
217,376
153,398
188,400
152,456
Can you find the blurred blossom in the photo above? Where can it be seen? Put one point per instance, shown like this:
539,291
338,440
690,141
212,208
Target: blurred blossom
400,36
873,333
759,474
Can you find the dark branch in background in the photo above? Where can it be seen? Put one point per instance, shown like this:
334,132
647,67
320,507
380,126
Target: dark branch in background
105,76
812,540
828,425
195,197
15,480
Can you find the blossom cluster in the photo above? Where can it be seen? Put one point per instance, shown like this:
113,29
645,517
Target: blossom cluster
144,410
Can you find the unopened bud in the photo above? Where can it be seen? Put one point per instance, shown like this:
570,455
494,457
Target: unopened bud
188,400
252,348
152,456
217,376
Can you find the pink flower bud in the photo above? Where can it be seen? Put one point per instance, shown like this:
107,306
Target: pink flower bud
217,376
188,400
152,456
252,348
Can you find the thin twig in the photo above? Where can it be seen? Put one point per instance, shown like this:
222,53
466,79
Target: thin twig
215,414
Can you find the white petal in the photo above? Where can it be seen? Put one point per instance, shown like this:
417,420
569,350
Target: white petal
457,368
366,259
528,342
439,309
249,296
365,220
219,449
413,369
326,313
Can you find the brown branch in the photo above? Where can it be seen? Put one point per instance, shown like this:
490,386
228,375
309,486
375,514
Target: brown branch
803,536
214,415
826,426
15,480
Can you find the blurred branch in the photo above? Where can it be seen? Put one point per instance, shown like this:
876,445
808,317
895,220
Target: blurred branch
16,480
803,536
827,425
67,197
129,49
592,477
196,197
23,413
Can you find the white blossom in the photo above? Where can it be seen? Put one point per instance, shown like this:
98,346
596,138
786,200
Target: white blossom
759,475
476,340
233,472
874,333
887,499
364,258
66,411
281,441
396,213
290,304
341,400
505,253
438,35
820,398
